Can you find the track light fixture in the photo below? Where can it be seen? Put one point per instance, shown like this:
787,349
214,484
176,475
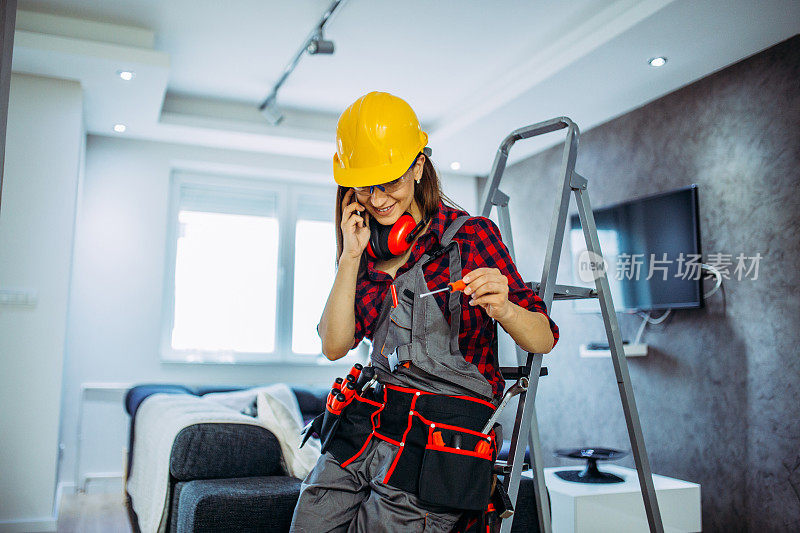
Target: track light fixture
314,44
318,45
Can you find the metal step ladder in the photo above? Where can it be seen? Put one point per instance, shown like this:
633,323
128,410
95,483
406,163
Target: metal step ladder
526,427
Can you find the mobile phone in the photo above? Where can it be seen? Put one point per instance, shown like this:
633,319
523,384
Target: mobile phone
364,214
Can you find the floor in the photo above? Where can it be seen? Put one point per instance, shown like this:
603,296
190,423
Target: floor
93,513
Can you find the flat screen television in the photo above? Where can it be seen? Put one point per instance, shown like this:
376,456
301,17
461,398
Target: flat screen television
655,237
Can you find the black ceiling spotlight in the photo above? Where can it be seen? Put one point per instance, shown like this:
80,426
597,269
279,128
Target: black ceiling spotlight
314,44
318,45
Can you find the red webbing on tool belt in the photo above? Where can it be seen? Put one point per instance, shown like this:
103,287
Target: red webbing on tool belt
415,391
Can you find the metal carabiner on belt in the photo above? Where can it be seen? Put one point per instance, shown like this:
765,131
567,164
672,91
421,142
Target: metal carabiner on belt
367,379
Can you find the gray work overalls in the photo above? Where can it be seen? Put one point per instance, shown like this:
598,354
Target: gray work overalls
406,460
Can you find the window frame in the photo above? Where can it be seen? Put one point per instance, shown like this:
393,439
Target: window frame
288,197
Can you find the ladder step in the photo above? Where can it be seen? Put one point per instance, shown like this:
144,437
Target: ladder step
504,467
516,372
567,292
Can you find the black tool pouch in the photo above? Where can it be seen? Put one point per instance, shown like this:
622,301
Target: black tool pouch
453,477
353,428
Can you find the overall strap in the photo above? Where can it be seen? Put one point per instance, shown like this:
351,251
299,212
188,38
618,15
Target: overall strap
454,299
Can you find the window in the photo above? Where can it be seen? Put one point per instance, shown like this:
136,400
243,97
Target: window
312,242
225,288
250,264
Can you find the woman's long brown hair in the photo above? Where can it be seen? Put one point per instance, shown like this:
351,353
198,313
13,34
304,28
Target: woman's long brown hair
427,195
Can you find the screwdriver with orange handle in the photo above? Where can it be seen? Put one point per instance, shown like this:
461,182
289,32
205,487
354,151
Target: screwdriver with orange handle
349,390
354,373
338,404
335,389
454,286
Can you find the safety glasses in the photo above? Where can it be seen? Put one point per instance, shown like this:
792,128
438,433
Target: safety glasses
388,187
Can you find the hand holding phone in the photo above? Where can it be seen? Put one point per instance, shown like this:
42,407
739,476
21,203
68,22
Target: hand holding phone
355,226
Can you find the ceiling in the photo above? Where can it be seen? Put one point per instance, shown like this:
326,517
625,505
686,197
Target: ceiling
473,70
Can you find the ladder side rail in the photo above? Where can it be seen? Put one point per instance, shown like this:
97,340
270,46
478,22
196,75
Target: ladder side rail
517,450
555,241
494,196
546,293
540,486
496,174
508,240
516,454
558,220
620,363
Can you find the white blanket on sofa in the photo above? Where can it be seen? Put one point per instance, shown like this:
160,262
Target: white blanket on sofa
159,419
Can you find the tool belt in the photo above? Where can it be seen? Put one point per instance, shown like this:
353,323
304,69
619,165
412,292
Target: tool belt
442,456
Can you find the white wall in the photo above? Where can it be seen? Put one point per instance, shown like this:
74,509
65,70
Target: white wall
40,184
461,189
114,320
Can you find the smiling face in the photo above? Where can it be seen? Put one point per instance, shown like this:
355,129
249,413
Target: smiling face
422,200
386,207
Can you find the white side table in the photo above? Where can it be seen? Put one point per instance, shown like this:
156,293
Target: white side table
618,507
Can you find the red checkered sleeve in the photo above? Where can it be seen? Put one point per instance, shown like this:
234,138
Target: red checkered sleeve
489,251
368,302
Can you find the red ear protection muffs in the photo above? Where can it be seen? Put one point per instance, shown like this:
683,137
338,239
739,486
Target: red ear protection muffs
386,242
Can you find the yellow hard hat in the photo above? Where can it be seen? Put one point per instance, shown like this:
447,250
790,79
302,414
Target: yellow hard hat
377,139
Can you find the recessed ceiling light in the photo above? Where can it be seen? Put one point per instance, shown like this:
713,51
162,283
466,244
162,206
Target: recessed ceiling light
455,165
657,61
126,75
120,128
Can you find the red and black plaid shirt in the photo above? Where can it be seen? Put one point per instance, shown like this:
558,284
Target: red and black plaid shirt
481,246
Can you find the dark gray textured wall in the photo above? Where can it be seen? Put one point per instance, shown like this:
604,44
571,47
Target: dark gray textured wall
719,391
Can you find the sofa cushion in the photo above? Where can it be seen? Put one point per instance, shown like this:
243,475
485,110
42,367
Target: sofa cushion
214,450
231,505
136,395
311,401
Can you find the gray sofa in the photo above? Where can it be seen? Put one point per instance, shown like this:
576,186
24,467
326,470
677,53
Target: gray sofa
228,477
224,477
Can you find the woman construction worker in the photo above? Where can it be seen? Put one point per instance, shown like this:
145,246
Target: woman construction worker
409,454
